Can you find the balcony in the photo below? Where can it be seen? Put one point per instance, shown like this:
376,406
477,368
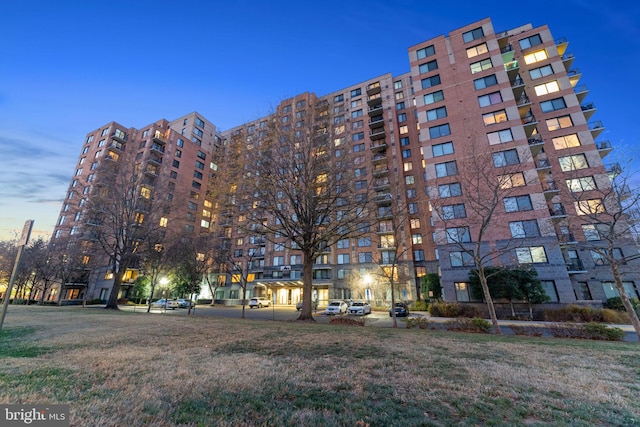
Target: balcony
550,189
374,100
588,110
383,198
530,124
536,143
116,145
510,64
557,212
575,266
151,170
376,122
574,76
379,158
376,134
567,59
160,138
561,45
524,104
581,92
374,88
379,171
378,145
381,184
376,110
543,164
507,48
517,86
596,128
120,136
613,169
604,148
567,239
155,160
157,148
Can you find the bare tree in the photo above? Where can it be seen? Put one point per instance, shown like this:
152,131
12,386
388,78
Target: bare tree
606,207
123,211
298,185
8,252
188,265
466,196
153,264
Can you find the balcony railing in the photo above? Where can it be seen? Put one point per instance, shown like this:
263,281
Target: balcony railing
589,106
575,265
595,125
550,186
543,163
557,211
534,140
603,145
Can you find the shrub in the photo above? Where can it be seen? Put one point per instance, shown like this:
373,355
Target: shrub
122,301
598,331
530,331
468,325
350,321
572,313
420,305
614,316
94,301
420,322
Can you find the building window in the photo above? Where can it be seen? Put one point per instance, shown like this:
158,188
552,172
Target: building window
534,57
494,117
411,193
450,190
430,81
474,34
480,66
547,88
402,117
574,162
490,99
438,131
404,141
425,52
538,73
356,114
406,153
442,149
458,235
413,208
485,82
567,141
595,231
364,257
356,92
530,42
453,211
461,259
577,185
505,158
522,229
436,113
530,255
446,169
589,207
418,255
549,287
428,66
400,106
414,223
512,180
559,123
409,180
598,258
358,148
416,239
500,137
553,105
407,166
517,203
433,97
477,50
343,259
357,136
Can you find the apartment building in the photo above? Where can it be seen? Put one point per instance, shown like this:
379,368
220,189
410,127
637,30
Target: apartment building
512,96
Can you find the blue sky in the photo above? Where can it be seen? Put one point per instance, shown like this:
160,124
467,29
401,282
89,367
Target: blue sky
69,67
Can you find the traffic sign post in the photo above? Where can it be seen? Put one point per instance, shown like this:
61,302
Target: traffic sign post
24,239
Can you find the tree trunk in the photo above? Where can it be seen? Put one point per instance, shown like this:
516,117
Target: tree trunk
393,303
625,301
489,300
307,285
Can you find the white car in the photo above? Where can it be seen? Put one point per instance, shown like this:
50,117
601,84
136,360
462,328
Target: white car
336,307
259,302
164,303
360,307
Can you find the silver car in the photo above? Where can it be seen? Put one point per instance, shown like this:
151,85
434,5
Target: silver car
336,307
360,307
259,302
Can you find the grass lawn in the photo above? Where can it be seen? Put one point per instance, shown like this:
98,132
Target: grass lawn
135,369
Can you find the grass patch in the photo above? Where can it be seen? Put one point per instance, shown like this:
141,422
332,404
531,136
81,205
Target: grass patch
15,342
148,370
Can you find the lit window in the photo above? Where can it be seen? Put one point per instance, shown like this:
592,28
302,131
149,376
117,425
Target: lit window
566,141
145,192
559,123
512,180
533,254
547,88
494,117
477,50
534,57
589,207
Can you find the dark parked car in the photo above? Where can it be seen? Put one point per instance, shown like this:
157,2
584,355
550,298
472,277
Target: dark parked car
402,310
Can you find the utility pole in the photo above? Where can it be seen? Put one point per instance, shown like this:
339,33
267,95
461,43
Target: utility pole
24,239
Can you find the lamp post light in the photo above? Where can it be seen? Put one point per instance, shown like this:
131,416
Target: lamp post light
367,280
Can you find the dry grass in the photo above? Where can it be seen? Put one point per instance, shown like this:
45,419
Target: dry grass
127,369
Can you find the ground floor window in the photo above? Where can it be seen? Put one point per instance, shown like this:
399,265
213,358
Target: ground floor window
549,287
462,292
610,290
582,291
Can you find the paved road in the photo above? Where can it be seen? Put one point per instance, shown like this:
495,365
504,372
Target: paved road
285,313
